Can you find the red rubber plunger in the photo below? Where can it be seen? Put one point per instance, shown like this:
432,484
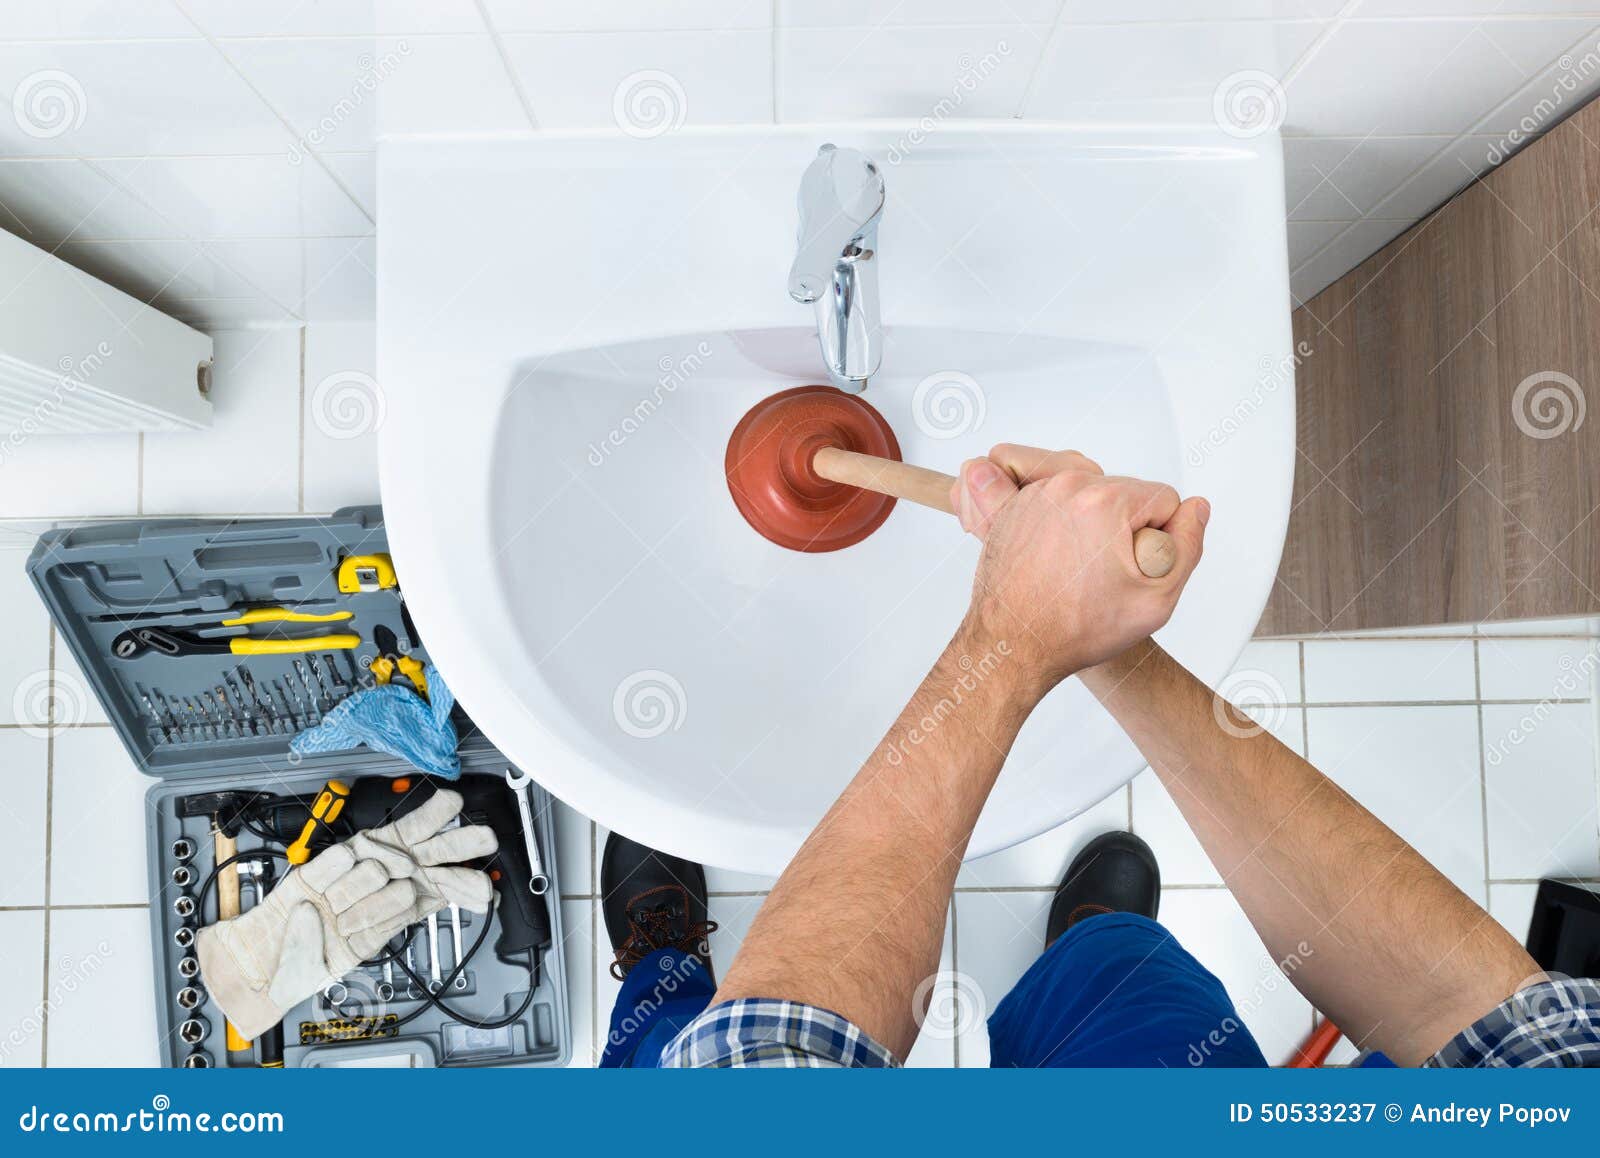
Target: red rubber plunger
772,481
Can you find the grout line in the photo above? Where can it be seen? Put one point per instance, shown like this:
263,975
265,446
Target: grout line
300,425
777,65
1483,767
49,815
498,41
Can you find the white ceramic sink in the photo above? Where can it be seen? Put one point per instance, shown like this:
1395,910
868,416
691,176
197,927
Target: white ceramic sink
569,327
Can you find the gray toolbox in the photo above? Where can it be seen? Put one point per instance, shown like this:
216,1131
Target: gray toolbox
178,625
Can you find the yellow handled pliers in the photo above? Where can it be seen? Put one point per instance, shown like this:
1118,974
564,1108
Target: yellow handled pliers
171,641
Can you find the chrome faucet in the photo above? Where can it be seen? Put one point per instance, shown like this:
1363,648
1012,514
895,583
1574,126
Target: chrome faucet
841,199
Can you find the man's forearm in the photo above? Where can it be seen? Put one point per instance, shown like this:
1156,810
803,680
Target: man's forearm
1367,929
855,923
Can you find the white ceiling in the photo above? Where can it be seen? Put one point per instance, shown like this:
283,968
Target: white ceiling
215,156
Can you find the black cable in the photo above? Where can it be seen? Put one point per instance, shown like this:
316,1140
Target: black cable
433,1000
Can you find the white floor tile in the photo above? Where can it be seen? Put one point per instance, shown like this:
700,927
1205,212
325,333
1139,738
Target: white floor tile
26,657
97,845
1416,769
1539,764
1512,906
577,918
1388,671
998,935
75,699
24,758
1536,669
249,461
344,410
1210,924
21,988
952,1007
575,851
102,990
1570,625
1041,862
1278,659
71,476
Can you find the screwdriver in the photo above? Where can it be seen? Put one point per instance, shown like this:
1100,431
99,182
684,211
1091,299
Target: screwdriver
325,809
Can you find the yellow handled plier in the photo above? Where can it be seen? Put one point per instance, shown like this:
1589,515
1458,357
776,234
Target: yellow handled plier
171,641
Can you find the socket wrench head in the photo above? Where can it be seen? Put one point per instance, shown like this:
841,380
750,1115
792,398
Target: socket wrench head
191,997
198,1060
189,967
184,905
194,1031
183,936
183,876
183,849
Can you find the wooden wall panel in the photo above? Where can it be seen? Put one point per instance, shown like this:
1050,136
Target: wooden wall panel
1428,489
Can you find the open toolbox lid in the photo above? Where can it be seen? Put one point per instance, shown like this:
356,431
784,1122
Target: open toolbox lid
210,709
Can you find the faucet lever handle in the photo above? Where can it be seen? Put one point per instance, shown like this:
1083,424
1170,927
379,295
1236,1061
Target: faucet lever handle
841,197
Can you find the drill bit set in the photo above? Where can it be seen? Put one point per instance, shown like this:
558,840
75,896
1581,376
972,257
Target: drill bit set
240,708
212,644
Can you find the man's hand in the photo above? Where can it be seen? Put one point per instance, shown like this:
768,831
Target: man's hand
1057,580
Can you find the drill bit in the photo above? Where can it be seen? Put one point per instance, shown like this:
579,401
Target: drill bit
316,669
289,716
262,708
311,695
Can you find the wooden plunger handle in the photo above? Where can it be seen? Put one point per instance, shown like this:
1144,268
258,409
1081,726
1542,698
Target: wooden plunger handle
1153,550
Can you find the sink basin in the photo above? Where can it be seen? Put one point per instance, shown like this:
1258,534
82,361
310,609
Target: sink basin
563,365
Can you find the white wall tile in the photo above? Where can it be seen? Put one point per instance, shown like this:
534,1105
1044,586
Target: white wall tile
636,16
908,71
1339,178
575,851
23,756
94,20
1276,659
333,17
1307,237
75,700
1422,76
1568,625
22,1018
249,461
47,201
179,270
1536,669
1183,10
1343,254
118,99
447,84
255,196
1471,7
26,655
1417,770
358,172
97,814
102,989
1388,671
344,410
578,80
1452,170
998,936
1210,924
1042,861
1541,780
1088,65
341,279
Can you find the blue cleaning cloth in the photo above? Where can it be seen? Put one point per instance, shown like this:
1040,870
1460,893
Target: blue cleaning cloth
392,718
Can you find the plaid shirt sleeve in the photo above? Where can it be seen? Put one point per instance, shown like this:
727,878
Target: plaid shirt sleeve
1555,1022
765,1032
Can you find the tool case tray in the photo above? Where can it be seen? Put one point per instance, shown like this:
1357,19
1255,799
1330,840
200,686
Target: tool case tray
99,580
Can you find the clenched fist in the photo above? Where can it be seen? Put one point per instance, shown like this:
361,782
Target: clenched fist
1057,580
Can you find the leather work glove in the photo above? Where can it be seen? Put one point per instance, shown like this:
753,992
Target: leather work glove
332,913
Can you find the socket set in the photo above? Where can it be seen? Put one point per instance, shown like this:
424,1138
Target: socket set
211,644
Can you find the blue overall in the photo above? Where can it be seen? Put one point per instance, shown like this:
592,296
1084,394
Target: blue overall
1113,990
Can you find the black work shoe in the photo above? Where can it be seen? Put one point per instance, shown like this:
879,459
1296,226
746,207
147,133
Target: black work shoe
1115,873
652,900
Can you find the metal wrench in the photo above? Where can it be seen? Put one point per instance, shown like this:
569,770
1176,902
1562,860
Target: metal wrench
521,786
